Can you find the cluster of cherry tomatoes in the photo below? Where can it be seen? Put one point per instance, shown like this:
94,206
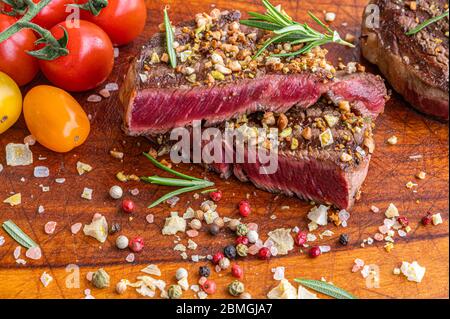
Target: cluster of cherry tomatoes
91,39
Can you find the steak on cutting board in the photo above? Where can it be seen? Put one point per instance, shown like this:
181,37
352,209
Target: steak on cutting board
157,98
308,167
416,66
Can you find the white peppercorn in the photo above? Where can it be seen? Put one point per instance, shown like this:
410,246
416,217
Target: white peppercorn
121,287
181,273
252,236
224,263
232,224
116,192
122,242
195,224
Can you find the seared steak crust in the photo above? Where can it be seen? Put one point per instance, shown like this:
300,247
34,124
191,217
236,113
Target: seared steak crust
158,98
416,66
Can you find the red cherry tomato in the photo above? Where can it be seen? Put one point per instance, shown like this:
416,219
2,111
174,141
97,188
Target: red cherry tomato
14,60
89,62
122,20
56,11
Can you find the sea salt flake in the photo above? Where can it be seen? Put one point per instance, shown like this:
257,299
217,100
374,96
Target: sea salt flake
437,219
179,247
152,270
391,211
87,193
98,228
365,271
46,279
413,271
401,233
189,214
192,245
21,261
319,215
312,226
344,215
278,273
14,200
173,225
18,155
104,93
282,240
284,290
303,293
83,168
325,249
311,237
41,171
173,201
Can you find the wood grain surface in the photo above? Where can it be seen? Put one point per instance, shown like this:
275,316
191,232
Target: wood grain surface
390,170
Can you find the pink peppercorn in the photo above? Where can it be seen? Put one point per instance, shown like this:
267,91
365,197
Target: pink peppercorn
315,252
209,287
300,238
244,208
128,206
264,253
137,244
217,257
403,220
426,220
242,240
237,271
216,196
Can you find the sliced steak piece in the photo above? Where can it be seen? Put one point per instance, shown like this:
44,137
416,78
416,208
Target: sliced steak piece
416,66
330,173
157,98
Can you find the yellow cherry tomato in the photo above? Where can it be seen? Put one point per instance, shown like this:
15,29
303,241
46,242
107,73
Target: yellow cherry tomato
55,118
10,102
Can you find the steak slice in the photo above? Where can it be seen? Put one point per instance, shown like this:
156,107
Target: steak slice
309,168
157,98
416,66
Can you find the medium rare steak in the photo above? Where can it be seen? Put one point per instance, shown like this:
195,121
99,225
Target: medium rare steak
216,78
323,153
417,65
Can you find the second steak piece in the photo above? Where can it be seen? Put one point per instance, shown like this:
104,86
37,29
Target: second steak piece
216,78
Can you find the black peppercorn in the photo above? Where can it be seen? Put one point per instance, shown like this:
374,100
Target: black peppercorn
204,271
115,228
214,229
343,239
230,251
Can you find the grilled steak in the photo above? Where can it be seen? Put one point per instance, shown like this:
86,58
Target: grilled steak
323,154
216,78
416,66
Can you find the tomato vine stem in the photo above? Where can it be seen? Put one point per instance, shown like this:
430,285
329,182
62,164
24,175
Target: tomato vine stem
93,6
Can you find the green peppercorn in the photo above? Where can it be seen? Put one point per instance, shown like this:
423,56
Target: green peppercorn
241,230
242,250
175,292
236,288
100,279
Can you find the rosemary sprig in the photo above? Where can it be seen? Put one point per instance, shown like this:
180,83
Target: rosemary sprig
188,183
326,288
18,235
426,23
287,30
169,39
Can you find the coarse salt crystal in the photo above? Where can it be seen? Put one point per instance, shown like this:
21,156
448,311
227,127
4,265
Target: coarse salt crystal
17,252
130,258
374,209
116,52
41,171
46,279
30,140
34,253
112,87
104,93
94,98
2,241
75,228
150,218
60,180
18,155
87,193
401,233
50,227
325,249
437,219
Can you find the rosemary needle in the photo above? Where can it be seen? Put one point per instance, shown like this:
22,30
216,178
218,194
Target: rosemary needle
427,23
325,288
179,192
170,39
18,235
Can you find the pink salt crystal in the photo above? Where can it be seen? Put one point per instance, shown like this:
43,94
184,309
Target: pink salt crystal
76,228
130,258
378,237
218,269
97,216
202,280
150,218
192,233
375,209
356,268
34,253
50,227
252,226
89,276
383,229
253,249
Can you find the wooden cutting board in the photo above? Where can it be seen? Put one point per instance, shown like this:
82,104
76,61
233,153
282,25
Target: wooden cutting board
390,170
